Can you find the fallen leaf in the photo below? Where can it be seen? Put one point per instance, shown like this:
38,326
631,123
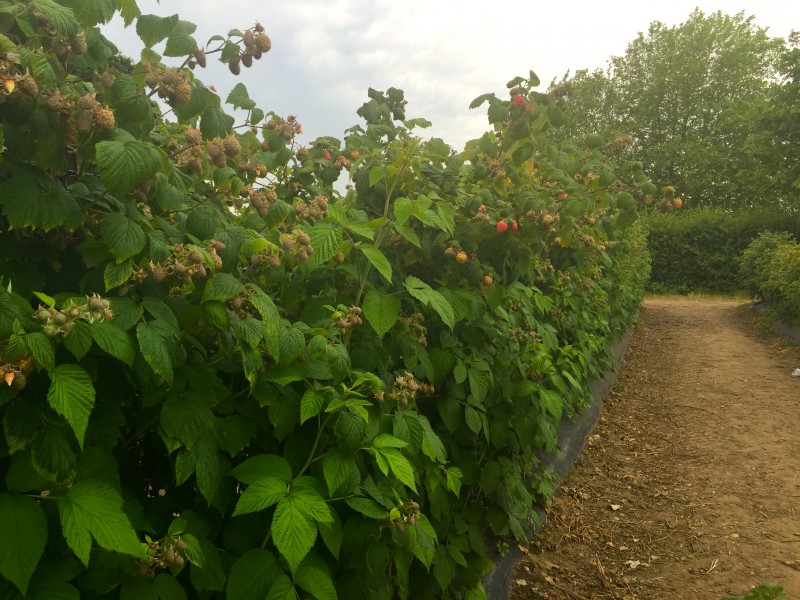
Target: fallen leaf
615,506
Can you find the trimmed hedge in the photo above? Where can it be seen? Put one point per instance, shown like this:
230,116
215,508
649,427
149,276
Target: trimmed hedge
697,250
770,268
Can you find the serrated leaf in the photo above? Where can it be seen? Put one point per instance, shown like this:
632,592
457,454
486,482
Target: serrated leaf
326,241
239,98
114,341
52,456
311,404
252,575
124,237
337,469
399,465
214,122
473,419
263,465
403,210
349,429
260,494
381,311
479,383
124,165
376,174
61,17
155,348
168,587
116,274
71,395
20,425
180,41
23,536
331,534
128,10
92,12
291,344
222,287
430,297
409,234
211,575
384,440
293,532
454,476
152,29
184,416
42,349
312,575
378,260
93,509
367,507
29,199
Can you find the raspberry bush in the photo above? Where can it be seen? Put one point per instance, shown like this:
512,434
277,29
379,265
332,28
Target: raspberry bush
225,379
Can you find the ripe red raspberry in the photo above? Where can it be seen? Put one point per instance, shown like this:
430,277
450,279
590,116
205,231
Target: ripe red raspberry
327,155
564,196
501,226
513,226
518,100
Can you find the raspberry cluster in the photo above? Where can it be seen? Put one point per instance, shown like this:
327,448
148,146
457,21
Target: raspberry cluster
316,210
406,389
56,321
171,84
186,264
350,319
287,128
162,556
256,44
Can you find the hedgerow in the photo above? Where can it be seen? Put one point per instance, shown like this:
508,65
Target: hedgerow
697,250
770,268
228,380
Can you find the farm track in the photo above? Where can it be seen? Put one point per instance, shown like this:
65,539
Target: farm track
689,486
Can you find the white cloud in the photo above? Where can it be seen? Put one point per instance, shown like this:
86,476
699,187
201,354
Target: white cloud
326,53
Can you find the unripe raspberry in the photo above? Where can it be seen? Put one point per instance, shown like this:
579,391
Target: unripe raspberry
247,60
159,274
461,257
303,239
183,92
200,57
96,303
84,123
19,381
104,118
274,261
231,146
88,102
79,45
234,64
263,42
28,85
196,257
214,150
59,103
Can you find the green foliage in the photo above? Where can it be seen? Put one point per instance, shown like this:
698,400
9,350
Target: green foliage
770,268
709,106
290,392
697,250
764,591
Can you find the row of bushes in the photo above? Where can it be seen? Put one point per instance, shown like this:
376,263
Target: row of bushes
226,379
770,269
697,250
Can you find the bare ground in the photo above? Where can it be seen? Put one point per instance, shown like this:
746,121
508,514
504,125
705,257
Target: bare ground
689,487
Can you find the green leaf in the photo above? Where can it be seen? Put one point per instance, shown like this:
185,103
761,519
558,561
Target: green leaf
152,29
337,469
473,419
29,199
215,123
454,476
403,210
124,237
291,344
326,241
260,494
293,532
180,41
116,274
263,465
349,429
211,576
331,534
124,165
384,440
42,349
114,341
312,575
376,174
52,456
367,507
430,297
93,509
252,575
399,465
71,395
381,311
92,12
61,17
128,10
20,424
23,536
479,383
186,415
155,349
378,260
239,98
311,404
223,286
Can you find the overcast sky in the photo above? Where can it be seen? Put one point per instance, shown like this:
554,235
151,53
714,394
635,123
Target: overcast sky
442,53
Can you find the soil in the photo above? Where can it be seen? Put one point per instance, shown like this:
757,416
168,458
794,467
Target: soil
689,485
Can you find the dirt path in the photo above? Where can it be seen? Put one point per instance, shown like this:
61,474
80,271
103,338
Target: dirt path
689,487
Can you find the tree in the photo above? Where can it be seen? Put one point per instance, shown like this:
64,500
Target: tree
689,95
